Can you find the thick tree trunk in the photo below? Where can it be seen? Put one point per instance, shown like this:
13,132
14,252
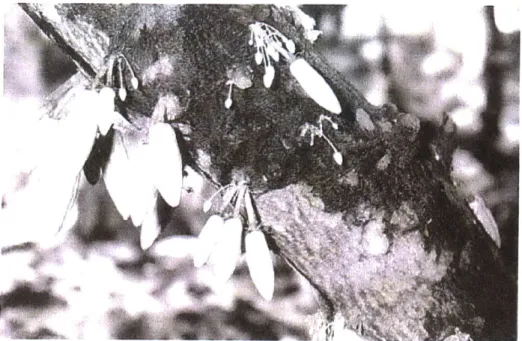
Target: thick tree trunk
384,238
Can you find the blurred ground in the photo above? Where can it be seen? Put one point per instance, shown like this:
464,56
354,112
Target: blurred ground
96,282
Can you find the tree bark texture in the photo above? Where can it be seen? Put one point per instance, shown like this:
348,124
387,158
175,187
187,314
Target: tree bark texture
385,238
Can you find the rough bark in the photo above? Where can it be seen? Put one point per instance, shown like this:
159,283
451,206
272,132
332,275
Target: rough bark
385,238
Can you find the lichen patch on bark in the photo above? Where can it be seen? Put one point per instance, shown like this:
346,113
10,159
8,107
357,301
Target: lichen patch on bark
353,258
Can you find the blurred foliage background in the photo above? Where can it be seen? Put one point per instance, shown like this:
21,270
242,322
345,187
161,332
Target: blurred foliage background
96,282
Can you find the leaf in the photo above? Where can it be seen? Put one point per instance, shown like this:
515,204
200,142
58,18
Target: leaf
166,163
315,85
226,253
259,263
207,239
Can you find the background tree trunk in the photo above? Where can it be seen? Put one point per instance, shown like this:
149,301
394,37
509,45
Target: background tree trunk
385,239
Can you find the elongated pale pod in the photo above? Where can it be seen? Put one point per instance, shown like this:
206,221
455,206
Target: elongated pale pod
143,187
226,253
268,77
259,263
108,120
208,237
118,177
106,95
104,108
486,218
166,164
141,192
174,247
150,227
54,179
75,134
104,124
315,85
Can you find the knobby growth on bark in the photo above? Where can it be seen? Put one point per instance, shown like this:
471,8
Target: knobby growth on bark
391,248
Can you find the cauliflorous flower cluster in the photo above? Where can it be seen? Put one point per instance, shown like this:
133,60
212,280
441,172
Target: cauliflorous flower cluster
140,167
118,60
240,76
221,237
270,43
143,164
317,130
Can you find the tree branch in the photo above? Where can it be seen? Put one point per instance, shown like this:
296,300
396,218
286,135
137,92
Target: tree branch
384,238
